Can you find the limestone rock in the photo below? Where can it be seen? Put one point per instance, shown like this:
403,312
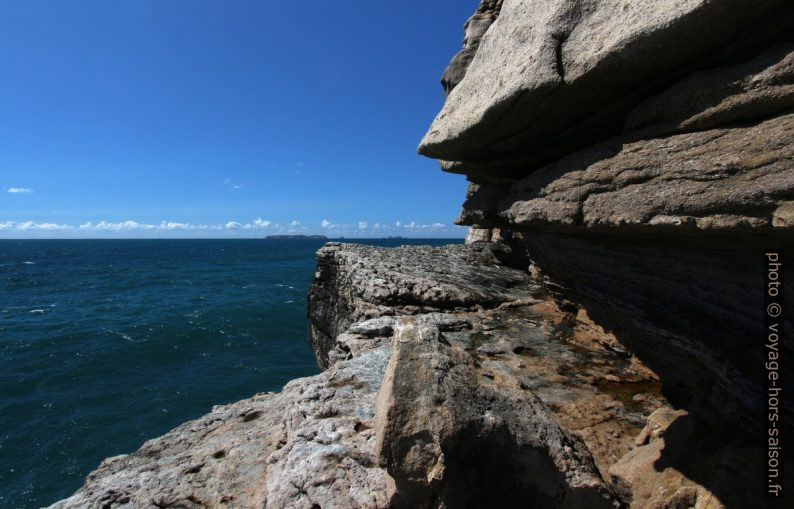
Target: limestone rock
473,30
641,170
752,90
479,235
451,435
311,444
355,282
717,179
553,75
675,464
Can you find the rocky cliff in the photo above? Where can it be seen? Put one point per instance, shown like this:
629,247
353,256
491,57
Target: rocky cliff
598,341
452,380
643,152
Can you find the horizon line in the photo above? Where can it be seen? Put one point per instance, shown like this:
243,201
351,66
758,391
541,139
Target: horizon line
307,237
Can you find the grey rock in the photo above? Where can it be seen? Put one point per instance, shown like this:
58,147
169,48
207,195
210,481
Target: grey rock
311,444
373,328
551,76
478,235
753,90
648,209
713,180
355,282
473,30
442,424
665,470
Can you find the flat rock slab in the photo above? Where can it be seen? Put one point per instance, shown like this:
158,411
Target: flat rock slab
354,282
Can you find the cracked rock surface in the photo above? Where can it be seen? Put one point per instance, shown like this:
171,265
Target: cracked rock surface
310,444
510,400
642,154
550,76
717,179
355,282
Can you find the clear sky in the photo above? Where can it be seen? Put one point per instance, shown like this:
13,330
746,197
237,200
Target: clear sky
142,118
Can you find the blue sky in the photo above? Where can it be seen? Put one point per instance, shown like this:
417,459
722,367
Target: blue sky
224,118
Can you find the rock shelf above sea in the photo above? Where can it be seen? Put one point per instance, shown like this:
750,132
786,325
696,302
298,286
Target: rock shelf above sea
596,344
448,367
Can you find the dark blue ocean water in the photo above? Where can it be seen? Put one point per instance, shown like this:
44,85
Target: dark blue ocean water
105,344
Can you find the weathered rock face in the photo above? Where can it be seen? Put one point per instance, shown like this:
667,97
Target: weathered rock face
754,89
642,152
311,444
532,402
551,76
474,29
355,282
479,235
643,171
713,180
444,422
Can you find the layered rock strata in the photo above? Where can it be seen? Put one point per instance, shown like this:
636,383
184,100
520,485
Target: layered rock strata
357,283
503,398
595,344
549,77
642,151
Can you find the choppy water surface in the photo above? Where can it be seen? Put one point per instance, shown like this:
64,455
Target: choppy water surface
105,344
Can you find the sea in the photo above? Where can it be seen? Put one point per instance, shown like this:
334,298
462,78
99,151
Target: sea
105,344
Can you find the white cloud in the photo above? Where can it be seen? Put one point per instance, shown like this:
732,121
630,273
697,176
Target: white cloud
33,226
232,185
227,229
19,190
170,225
122,226
413,225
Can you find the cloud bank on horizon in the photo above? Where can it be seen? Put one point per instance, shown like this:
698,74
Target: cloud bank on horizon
256,228
208,121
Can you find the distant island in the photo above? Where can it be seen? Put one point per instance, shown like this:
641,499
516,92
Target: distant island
287,237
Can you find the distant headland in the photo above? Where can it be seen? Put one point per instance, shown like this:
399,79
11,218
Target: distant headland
284,237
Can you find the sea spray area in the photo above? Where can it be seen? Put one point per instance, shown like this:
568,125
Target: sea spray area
106,344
